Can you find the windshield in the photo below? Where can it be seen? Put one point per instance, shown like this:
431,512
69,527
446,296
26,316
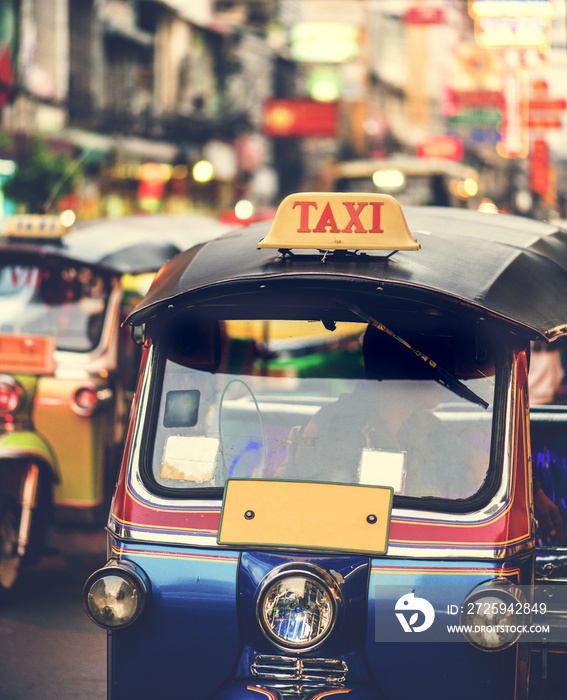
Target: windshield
293,400
408,190
64,301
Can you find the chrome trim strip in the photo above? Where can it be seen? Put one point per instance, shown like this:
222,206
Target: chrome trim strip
487,553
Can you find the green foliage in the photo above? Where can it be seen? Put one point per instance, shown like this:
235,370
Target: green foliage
41,177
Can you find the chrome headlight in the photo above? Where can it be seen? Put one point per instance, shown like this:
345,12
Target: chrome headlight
11,394
491,616
115,595
298,608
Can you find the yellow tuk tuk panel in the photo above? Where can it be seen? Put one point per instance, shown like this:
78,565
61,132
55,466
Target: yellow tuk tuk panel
78,441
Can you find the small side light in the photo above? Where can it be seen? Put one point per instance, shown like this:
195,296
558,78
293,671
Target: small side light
86,400
489,616
11,394
116,595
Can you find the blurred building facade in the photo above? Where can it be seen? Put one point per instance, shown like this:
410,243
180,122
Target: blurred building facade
269,93
140,91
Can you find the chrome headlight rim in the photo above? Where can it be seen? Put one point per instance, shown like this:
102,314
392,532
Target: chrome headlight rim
504,591
129,572
319,577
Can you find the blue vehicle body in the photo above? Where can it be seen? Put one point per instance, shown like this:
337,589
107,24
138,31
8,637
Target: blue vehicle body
252,567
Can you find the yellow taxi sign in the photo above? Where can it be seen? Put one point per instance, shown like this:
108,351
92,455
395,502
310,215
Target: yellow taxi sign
339,221
35,226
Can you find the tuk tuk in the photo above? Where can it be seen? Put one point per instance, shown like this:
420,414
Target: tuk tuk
411,180
326,487
67,369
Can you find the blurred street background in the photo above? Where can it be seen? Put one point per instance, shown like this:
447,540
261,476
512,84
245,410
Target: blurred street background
113,107
49,649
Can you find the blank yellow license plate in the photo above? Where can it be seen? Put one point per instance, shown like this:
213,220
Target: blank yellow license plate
306,515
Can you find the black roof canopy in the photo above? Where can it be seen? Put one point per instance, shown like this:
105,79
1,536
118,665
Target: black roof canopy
125,245
510,268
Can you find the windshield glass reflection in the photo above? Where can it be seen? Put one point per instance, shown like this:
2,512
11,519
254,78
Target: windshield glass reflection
306,406
66,301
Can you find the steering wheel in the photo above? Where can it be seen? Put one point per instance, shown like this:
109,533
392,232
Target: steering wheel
243,455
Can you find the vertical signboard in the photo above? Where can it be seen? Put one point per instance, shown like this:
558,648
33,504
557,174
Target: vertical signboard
518,28
416,85
514,137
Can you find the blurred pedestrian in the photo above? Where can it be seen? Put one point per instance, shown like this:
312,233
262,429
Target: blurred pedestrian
546,378
326,178
546,373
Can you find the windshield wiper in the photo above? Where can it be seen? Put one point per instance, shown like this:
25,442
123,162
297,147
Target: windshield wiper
441,375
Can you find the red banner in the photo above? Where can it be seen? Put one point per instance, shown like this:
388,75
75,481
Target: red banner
447,147
539,167
301,117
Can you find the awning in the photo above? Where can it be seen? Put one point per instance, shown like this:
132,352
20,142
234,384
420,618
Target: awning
128,147
144,150
89,141
199,14
130,33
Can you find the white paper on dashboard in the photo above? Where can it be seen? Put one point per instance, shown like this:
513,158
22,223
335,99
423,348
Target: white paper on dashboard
383,468
189,458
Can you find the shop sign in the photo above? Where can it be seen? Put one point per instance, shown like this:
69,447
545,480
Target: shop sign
8,50
539,167
223,158
540,123
300,118
445,147
484,137
479,99
424,14
544,110
514,143
511,8
477,118
517,23
6,75
500,32
324,42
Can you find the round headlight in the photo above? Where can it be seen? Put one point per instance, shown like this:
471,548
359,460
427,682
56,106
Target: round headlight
11,394
490,616
298,609
114,597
